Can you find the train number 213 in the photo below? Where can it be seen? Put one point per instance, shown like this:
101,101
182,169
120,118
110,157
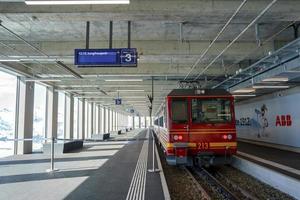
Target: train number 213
203,145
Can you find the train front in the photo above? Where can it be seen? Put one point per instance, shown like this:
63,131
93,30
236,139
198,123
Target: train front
201,127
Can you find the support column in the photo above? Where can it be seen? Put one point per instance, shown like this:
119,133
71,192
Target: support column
81,119
108,120
92,120
133,122
145,121
104,120
25,117
99,119
140,122
69,123
51,112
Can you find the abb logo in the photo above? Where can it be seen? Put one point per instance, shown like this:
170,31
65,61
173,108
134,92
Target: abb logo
283,120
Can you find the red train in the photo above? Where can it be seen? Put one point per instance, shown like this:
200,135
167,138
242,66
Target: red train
197,126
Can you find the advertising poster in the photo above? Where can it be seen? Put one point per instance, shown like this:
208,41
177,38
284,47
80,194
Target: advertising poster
274,120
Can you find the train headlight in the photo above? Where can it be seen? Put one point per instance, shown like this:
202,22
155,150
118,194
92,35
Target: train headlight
229,136
175,137
180,137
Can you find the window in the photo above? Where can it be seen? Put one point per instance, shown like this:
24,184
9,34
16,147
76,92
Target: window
8,86
211,111
39,117
179,111
61,115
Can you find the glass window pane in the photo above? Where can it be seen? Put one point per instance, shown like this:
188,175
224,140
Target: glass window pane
179,111
39,117
211,111
8,85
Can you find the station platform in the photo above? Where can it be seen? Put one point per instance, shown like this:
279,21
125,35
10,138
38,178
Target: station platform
279,158
101,170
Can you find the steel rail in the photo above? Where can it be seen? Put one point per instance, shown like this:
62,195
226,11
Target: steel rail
237,37
214,183
216,38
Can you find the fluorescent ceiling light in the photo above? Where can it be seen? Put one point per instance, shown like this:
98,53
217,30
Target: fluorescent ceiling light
245,90
43,80
75,2
270,86
120,80
244,95
9,60
130,90
276,79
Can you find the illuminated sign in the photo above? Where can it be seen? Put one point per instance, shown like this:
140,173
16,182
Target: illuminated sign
105,57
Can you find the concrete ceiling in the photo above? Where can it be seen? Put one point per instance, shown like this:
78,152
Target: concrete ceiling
169,36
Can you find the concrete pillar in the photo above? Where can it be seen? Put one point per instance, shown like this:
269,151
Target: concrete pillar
116,121
133,122
69,116
25,115
140,122
99,119
108,120
112,120
51,112
145,121
81,119
104,120
91,120
95,128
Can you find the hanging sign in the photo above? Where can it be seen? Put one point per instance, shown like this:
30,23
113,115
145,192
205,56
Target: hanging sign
105,57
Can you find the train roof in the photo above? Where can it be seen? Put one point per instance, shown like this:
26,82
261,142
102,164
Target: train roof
199,92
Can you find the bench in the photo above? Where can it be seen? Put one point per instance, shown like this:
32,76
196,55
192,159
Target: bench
101,136
61,147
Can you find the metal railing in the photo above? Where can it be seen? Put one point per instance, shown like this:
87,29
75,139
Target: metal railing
52,139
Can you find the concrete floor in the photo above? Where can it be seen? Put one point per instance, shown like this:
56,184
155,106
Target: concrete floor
102,170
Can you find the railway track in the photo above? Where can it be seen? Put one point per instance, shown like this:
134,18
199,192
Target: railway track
216,185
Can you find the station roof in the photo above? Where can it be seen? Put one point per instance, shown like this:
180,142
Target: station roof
171,37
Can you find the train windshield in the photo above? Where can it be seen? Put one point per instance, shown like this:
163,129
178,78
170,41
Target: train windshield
179,111
211,111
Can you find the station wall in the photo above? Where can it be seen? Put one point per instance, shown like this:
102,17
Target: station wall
273,118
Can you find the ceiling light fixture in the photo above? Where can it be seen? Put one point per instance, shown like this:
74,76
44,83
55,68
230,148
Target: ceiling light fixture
245,90
130,90
244,95
9,60
276,79
75,2
270,86
122,80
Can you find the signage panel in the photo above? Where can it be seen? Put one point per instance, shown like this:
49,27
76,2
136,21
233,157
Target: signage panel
118,101
268,119
105,57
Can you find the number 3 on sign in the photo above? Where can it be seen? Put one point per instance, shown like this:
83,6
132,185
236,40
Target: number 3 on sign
128,57
203,145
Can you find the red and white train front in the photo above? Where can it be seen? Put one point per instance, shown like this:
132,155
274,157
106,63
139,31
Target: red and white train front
197,126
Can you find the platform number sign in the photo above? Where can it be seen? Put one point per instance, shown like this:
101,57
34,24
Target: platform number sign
128,56
118,101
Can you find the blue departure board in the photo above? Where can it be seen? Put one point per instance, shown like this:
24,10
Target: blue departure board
105,57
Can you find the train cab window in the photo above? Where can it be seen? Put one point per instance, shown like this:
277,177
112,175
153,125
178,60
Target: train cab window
179,111
211,111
